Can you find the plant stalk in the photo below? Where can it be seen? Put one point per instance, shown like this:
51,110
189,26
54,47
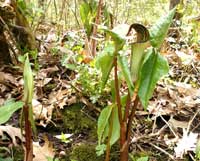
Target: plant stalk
28,135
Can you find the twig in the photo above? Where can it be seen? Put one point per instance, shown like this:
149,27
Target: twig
168,126
190,122
148,136
162,150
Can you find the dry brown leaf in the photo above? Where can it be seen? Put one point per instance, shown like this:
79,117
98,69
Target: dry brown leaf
13,132
43,72
6,77
43,113
62,98
42,152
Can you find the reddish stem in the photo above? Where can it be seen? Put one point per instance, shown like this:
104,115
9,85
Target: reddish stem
118,100
97,21
128,103
28,135
130,120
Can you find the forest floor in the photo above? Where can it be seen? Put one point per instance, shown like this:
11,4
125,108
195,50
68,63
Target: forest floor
66,115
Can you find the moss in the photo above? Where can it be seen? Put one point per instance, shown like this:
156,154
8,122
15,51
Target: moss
85,152
18,153
77,122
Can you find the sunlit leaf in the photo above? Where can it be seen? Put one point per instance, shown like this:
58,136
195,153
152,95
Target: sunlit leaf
117,34
159,30
153,69
7,110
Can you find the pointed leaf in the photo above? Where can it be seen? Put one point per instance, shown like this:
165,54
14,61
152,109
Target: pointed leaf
103,121
159,30
153,69
7,110
116,127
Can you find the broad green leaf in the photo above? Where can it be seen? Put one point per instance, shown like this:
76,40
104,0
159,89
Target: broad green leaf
116,127
159,30
143,159
108,113
105,62
152,70
7,110
103,121
123,63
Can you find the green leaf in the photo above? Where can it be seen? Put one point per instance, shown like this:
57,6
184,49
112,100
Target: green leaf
118,34
100,149
123,63
143,159
103,121
85,17
28,82
159,30
105,62
116,126
152,70
88,12
6,159
7,110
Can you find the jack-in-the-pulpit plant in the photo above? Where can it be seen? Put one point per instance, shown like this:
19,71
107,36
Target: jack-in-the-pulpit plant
141,71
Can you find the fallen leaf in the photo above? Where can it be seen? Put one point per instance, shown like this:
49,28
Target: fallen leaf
187,143
13,132
42,153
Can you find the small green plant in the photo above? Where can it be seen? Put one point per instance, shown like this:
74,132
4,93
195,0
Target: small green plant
10,107
27,110
145,68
